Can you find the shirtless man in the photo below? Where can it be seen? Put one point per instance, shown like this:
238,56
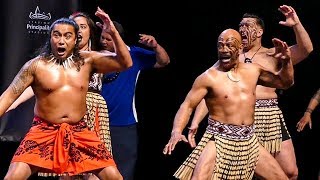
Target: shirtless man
59,141
270,125
228,88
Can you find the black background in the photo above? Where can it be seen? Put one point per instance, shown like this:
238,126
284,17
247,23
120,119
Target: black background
188,30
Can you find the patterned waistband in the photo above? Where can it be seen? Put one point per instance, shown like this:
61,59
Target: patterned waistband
94,90
266,102
229,130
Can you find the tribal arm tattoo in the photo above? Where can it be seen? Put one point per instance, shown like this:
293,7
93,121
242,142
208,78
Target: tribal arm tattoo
24,78
316,96
315,100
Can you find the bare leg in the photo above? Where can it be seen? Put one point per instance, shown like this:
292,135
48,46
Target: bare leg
91,177
268,167
19,171
65,177
287,159
206,163
109,173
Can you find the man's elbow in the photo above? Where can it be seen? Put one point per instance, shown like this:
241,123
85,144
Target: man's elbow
302,53
310,49
307,51
125,66
126,63
163,63
289,83
166,62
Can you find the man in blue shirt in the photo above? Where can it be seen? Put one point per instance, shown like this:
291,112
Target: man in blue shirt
118,89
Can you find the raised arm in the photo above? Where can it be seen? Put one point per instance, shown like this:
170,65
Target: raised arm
22,80
306,118
104,63
161,54
194,97
282,79
26,95
304,46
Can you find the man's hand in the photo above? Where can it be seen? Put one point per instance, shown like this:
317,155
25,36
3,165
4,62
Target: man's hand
306,119
107,25
174,139
282,51
290,14
148,40
192,134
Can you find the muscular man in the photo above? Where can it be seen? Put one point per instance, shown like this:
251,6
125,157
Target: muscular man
59,140
228,89
270,126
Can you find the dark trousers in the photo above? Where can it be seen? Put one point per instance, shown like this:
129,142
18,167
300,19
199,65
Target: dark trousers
124,140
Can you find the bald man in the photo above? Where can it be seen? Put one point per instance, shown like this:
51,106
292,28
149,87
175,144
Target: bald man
228,88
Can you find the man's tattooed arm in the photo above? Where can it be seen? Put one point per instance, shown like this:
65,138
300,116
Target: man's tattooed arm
316,96
23,79
315,100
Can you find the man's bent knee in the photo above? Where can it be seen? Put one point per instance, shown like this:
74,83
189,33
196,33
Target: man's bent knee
110,173
293,174
16,175
17,171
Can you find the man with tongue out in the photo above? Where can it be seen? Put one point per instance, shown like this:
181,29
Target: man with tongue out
59,140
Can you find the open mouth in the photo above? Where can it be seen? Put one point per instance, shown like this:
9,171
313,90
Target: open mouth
79,38
61,51
244,39
225,58
104,46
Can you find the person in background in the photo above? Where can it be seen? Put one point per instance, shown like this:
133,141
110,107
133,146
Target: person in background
306,118
119,91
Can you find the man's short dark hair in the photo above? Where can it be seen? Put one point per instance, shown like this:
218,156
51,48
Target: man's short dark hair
258,19
119,28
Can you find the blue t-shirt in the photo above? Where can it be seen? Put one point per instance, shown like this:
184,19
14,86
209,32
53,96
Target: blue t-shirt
118,89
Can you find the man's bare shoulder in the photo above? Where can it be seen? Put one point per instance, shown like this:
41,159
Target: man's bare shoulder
86,55
35,59
210,72
264,52
248,68
33,63
208,75
89,56
265,59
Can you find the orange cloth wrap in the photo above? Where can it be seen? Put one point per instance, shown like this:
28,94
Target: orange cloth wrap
63,148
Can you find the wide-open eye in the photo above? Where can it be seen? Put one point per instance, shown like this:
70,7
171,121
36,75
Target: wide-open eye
83,27
68,36
56,34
